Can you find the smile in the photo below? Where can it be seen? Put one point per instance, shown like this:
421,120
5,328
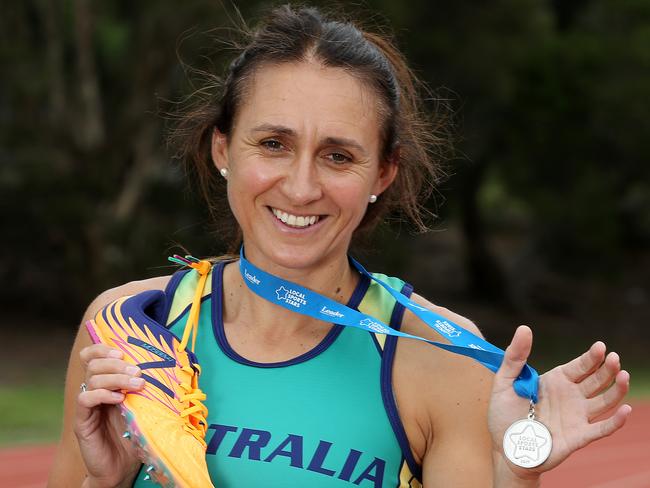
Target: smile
297,221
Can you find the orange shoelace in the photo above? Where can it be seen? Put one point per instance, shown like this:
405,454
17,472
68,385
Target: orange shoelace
196,412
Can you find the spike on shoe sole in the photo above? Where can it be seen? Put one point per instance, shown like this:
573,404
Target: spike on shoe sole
155,471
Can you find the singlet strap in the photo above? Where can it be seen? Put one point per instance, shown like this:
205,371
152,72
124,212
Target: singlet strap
411,474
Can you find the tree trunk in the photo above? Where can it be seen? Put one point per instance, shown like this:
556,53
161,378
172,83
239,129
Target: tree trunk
91,125
486,278
50,11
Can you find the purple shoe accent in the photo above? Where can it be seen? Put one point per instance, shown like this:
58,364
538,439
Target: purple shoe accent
158,384
138,309
145,345
137,312
144,308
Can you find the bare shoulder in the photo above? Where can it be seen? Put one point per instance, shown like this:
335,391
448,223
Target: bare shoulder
436,389
412,322
424,362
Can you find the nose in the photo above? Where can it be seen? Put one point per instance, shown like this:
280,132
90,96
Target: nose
302,183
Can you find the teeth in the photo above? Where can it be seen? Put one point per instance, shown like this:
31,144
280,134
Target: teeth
295,220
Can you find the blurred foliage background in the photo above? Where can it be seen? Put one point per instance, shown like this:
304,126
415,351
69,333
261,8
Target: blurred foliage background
545,218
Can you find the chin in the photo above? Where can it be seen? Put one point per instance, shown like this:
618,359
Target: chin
296,257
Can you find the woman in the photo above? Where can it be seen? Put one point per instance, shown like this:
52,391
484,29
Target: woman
317,135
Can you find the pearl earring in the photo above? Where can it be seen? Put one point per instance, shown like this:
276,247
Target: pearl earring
224,172
372,199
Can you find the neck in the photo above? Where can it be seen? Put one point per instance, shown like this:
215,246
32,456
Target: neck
332,278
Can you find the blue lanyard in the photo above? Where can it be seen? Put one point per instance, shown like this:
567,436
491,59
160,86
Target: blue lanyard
307,302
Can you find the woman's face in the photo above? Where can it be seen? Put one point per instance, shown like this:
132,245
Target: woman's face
303,158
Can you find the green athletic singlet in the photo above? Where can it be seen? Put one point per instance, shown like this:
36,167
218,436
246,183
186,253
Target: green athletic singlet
326,418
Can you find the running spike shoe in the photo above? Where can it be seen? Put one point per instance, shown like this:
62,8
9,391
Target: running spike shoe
167,418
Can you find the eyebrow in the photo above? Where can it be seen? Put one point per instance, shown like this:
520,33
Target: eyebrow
334,141
277,129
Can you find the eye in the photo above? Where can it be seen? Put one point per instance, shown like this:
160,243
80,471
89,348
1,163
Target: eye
272,145
339,158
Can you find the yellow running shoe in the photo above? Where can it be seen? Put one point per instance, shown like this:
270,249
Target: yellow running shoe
167,418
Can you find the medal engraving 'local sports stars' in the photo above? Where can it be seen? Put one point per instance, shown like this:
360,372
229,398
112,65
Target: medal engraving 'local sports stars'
527,443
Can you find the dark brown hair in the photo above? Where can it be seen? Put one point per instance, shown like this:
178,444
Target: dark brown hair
288,34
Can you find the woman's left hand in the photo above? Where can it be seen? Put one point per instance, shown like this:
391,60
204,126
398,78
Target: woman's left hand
579,402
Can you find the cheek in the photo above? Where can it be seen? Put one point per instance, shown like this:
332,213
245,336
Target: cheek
254,173
351,195
247,181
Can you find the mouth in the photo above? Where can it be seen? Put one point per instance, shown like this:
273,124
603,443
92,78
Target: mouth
295,221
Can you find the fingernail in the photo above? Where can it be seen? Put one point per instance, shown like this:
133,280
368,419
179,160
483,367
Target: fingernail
132,370
117,395
114,353
136,382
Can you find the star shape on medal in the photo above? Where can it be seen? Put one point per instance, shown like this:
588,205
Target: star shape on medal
527,443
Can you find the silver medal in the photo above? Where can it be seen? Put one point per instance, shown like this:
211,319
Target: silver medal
527,442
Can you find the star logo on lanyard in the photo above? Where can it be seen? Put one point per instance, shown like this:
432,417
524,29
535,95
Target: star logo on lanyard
377,327
281,293
527,443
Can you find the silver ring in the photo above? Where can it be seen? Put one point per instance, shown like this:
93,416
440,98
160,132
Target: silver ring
83,387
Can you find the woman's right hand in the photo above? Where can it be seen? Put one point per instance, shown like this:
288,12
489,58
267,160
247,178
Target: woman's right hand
110,459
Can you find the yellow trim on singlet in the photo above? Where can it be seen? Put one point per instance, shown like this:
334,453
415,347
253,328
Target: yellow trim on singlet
379,304
185,292
406,478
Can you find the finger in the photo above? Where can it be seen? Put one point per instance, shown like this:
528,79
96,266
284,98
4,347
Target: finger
115,382
607,427
108,366
577,369
597,382
88,400
96,351
613,396
516,354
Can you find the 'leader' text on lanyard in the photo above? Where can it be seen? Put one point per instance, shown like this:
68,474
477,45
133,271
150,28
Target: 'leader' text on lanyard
304,301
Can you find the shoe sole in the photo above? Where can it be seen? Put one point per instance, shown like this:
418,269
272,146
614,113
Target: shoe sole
161,473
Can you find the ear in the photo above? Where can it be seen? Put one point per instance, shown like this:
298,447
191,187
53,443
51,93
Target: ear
219,149
387,172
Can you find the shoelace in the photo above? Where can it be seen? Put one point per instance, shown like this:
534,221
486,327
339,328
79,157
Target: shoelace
196,412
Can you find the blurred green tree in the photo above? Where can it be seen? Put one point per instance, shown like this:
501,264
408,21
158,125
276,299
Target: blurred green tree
552,100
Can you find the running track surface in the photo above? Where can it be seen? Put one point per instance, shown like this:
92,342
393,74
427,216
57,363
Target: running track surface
621,461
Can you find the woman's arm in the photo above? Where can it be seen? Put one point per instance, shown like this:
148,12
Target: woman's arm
455,411
443,400
68,468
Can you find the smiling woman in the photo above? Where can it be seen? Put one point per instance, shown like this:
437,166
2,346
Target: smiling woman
316,134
